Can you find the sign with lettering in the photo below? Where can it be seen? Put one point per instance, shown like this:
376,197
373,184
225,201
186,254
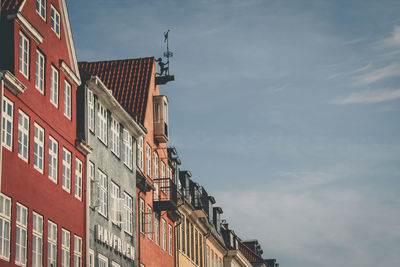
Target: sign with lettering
115,242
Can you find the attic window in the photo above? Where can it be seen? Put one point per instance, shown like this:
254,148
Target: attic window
41,8
55,21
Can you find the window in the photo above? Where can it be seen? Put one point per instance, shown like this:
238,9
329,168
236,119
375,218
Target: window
51,244
187,237
141,215
23,55
183,235
92,194
128,207
38,148
8,115
65,248
40,62
148,160
21,235
201,250
91,110
170,241
149,222
78,179
55,21
77,251
103,261
114,264
67,99
139,153
54,86
23,136
91,258
53,158
155,175
41,8
196,243
37,240
157,228
5,227
212,258
66,170
116,211
191,242
102,123
207,256
164,234
115,136
163,177
102,193
127,148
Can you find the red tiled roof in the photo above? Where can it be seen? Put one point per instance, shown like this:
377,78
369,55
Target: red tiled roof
128,79
10,6
250,254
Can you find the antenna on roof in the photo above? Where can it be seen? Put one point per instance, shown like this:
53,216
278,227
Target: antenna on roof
164,76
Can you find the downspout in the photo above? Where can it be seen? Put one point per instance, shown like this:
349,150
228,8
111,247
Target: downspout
138,227
1,121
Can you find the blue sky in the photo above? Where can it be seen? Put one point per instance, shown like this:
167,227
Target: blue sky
286,111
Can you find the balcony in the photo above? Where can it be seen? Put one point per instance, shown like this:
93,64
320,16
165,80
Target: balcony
198,204
167,197
161,118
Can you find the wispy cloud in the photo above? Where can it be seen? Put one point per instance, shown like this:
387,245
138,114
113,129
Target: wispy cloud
378,74
368,97
360,69
393,40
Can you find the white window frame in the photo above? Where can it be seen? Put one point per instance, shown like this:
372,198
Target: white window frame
66,170
40,71
102,123
38,148
23,135
170,240
148,160
51,243
116,211
156,170
90,110
7,121
163,176
78,178
53,159
128,209
139,153
127,148
67,99
102,260
142,218
54,86
5,227
24,55
156,228
114,264
164,234
92,196
37,240
65,248
91,258
77,251
115,137
103,182
21,235
149,214
41,8
55,21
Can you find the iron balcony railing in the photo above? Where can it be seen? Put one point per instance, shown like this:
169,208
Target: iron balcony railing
166,197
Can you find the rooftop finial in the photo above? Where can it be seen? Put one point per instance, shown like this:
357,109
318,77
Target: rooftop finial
163,75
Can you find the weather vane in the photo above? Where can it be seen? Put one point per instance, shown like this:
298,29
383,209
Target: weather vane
164,76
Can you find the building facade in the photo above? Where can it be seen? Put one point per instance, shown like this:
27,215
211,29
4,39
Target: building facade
133,84
111,134
42,199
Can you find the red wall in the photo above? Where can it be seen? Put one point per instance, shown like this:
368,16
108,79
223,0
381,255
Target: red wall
20,181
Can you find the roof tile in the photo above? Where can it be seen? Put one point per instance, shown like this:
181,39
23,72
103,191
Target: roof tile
10,6
128,79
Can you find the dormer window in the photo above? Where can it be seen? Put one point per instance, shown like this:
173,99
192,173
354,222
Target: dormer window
161,118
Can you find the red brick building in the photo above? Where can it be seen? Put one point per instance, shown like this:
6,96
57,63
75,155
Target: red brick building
133,84
42,200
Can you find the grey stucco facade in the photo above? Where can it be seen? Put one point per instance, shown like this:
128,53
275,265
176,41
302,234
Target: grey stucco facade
111,176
